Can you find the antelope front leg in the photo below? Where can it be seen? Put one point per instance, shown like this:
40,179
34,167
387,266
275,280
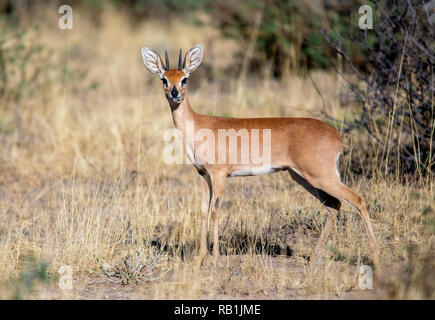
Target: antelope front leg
218,187
205,209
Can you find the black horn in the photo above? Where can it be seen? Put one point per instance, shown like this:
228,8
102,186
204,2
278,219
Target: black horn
167,60
179,61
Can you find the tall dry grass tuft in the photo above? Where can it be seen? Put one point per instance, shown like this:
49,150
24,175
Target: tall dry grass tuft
82,180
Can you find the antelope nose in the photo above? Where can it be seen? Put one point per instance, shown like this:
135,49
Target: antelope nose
174,93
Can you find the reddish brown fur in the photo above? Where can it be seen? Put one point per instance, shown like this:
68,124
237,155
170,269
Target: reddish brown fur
307,148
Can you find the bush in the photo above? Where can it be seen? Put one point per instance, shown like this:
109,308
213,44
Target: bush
144,265
24,64
33,274
396,101
288,34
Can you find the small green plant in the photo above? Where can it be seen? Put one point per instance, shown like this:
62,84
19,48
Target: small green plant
24,62
337,255
33,273
144,265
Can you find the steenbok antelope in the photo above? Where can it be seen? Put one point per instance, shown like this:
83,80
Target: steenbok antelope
307,148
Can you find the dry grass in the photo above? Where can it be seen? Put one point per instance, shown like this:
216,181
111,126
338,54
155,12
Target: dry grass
82,179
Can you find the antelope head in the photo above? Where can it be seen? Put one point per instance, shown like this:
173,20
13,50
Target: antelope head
174,80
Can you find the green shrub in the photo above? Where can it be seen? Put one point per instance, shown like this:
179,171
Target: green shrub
33,273
24,63
288,36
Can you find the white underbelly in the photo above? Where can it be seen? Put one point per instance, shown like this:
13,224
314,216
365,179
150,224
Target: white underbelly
255,171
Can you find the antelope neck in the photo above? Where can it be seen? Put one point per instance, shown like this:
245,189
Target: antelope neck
181,112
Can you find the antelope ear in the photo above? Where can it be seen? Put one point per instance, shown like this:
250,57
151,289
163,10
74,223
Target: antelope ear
152,61
193,59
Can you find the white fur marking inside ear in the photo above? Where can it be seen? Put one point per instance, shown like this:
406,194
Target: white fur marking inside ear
193,58
152,61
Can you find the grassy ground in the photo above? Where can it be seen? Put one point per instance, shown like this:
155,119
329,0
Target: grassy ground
83,184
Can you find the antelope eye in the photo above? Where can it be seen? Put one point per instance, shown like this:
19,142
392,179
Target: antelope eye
165,82
184,81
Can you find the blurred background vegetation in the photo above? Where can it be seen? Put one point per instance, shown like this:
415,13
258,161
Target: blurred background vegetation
277,38
287,33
